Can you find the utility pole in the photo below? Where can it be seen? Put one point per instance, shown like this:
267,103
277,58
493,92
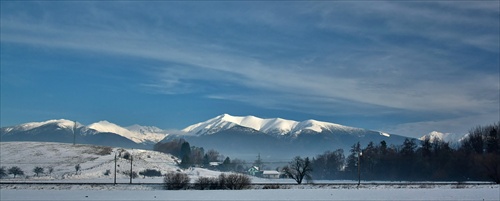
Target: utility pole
131,168
359,167
115,171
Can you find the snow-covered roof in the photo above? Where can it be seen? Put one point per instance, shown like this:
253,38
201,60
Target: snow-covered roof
270,172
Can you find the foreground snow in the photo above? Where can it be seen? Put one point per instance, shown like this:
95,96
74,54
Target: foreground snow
376,193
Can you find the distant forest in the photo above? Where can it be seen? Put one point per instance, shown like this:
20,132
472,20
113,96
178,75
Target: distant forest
476,158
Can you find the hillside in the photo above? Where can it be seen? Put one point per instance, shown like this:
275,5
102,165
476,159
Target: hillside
94,161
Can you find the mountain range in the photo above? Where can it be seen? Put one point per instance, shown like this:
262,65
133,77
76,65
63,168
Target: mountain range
277,138
241,136
100,133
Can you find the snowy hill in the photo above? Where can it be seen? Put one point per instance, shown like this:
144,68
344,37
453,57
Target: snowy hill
94,161
62,157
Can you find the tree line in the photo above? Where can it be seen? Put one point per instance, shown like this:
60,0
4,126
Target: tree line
197,156
476,158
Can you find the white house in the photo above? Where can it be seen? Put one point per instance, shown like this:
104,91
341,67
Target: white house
271,174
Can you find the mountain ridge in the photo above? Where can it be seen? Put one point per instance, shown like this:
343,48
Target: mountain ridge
246,136
272,126
241,135
62,130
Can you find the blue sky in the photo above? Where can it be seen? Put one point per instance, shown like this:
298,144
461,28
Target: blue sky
405,67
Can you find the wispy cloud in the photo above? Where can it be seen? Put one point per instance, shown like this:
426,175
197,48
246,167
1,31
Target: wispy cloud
312,57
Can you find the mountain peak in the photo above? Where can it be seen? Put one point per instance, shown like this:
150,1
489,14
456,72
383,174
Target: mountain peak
444,137
273,126
60,122
136,133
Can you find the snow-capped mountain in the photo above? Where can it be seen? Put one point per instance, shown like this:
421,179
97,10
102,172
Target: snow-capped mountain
62,123
274,126
100,133
444,137
245,136
136,133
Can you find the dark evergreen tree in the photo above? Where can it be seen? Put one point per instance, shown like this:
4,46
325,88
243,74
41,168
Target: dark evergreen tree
186,162
369,160
206,160
493,140
351,168
185,150
426,147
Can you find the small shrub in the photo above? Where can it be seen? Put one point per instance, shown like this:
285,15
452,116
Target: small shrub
103,151
231,181
77,168
150,173
107,173
176,181
237,181
134,174
207,183
126,155
272,186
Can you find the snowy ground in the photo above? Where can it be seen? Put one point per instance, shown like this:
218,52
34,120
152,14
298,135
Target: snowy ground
378,193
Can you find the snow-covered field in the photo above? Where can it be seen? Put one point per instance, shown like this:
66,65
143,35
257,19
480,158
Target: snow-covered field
378,193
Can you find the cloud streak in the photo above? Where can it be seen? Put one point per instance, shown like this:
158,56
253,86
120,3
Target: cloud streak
323,57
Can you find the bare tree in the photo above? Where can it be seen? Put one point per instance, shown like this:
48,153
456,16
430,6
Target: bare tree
37,170
299,168
16,171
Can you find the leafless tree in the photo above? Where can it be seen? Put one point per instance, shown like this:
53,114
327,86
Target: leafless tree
298,169
15,171
37,170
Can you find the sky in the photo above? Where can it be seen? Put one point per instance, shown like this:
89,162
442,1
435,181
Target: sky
403,67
